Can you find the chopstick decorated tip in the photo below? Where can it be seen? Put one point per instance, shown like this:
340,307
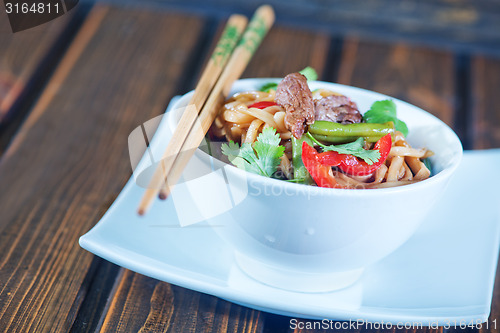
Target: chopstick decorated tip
258,27
215,65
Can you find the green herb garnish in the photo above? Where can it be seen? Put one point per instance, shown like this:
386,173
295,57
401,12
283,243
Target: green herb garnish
309,73
263,158
268,86
428,164
384,111
354,148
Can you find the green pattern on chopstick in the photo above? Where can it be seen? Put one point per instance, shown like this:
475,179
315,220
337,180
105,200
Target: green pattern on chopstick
254,34
226,44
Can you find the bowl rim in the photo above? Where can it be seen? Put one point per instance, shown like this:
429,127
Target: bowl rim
441,176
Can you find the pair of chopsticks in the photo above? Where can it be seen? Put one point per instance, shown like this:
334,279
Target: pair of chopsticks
223,68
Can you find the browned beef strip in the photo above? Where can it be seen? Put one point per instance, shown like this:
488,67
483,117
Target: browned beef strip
338,109
294,95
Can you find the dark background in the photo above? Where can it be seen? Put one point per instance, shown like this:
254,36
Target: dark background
465,25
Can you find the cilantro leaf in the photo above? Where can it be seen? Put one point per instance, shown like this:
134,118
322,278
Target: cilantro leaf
269,136
231,150
268,86
384,111
356,149
385,108
353,148
268,150
242,158
263,158
309,73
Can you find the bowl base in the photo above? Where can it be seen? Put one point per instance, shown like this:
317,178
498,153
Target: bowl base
295,280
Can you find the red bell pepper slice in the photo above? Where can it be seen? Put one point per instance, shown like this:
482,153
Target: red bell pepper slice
354,166
321,174
262,105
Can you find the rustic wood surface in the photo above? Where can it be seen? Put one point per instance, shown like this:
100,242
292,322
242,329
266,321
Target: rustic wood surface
143,304
26,60
420,76
467,25
485,103
21,55
273,59
68,161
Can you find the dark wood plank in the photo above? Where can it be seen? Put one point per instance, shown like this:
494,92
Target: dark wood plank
485,115
161,307
27,59
22,54
464,25
419,76
69,159
94,294
273,58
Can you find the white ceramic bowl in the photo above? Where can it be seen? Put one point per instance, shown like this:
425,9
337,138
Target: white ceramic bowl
312,239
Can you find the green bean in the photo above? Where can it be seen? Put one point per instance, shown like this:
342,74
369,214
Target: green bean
332,129
343,139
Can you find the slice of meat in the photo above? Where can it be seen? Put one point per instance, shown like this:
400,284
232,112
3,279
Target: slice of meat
294,95
338,109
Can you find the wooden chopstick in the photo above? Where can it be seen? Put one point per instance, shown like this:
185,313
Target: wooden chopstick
259,25
219,58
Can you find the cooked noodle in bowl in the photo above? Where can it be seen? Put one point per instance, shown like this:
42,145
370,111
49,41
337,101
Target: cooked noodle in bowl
310,238
238,121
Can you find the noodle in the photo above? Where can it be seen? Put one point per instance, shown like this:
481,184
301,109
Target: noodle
252,131
419,169
235,112
406,151
394,169
240,123
380,174
408,175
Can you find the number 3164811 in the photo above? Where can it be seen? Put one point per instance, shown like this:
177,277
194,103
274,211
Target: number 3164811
33,8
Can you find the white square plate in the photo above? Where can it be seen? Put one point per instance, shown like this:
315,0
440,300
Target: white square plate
443,275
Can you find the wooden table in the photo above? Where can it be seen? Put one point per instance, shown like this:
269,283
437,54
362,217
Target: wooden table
72,90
